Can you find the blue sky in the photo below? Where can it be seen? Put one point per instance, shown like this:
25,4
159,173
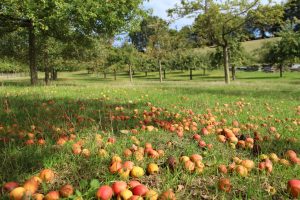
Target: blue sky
160,7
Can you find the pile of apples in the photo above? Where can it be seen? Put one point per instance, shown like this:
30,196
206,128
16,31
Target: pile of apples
134,190
193,163
30,187
139,152
127,168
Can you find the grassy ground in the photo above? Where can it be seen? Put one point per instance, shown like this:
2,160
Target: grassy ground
83,105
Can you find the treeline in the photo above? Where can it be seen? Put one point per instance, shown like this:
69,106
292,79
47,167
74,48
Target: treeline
53,36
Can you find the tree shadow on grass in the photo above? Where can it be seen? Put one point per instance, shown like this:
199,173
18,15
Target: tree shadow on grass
280,147
52,119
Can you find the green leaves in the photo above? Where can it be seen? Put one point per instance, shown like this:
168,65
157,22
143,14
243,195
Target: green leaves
89,17
94,184
284,51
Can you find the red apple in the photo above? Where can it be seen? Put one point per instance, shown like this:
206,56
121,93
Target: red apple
202,144
140,190
132,184
222,169
290,154
9,186
118,187
197,137
204,131
294,187
104,193
128,165
136,197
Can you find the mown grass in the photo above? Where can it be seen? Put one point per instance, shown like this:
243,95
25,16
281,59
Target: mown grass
86,103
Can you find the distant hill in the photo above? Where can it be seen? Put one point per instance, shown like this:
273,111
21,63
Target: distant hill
250,46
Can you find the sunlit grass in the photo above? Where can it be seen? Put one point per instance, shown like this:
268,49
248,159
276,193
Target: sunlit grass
54,109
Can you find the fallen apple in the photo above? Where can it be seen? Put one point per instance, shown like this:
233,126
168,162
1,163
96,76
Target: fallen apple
152,168
137,172
167,195
52,195
17,193
104,193
47,175
140,190
224,184
293,188
118,187
126,194
151,195
9,186
66,191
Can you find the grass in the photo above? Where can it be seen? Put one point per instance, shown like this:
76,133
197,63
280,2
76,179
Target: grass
83,104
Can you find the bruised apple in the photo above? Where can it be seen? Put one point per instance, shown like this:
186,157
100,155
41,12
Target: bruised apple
152,168
151,195
224,184
167,195
66,190
47,175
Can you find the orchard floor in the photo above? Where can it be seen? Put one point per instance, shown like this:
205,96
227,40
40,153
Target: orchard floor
84,105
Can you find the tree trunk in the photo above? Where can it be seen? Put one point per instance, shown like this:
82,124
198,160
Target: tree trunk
104,74
263,33
191,74
233,72
160,71
281,70
115,74
146,74
53,74
130,73
32,56
164,74
46,65
226,64
204,71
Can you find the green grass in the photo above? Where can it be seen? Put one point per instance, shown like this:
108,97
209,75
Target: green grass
86,103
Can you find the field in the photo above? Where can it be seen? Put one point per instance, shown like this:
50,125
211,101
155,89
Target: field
78,125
